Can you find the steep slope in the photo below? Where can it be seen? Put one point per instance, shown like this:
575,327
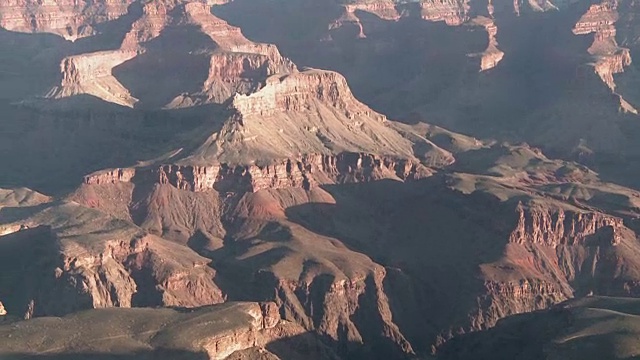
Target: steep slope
91,260
237,176
529,232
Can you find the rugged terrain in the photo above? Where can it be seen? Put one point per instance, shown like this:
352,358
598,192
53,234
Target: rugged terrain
232,330
173,158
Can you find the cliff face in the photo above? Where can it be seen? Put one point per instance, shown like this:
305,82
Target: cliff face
92,74
118,266
609,58
558,254
492,55
452,12
305,172
70,19
354,311
540,227
213,332
385,9
296,92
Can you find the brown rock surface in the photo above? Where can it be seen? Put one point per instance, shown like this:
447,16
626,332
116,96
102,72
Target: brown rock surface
609,58
492,55
70,19
103,262
289,189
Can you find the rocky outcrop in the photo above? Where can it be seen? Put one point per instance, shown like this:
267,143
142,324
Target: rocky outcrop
492,55
452,12
609,58
308,112
295,92
237,65
305,172
265,326
110,176
70,19
85,259
91,74
352,311
559,227
503,299
385,9
149,26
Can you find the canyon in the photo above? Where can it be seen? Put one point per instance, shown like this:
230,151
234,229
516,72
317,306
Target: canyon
372,179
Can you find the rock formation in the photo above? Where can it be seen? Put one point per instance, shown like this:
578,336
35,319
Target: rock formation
609,58
239,176
91,74
452,12
115,264
215,332
492,55
70,19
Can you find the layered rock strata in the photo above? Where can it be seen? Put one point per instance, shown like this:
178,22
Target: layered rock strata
86,259
70,19
305,172
554,255
609,58
91,74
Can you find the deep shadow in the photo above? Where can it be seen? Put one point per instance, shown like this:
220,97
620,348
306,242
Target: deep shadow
543,92
176,62
431,240
385,68
28,259
50,151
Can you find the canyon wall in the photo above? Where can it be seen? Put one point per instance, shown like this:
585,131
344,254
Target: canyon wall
70,19
554,255
116,265
609,58
540,227
92,74
305,172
